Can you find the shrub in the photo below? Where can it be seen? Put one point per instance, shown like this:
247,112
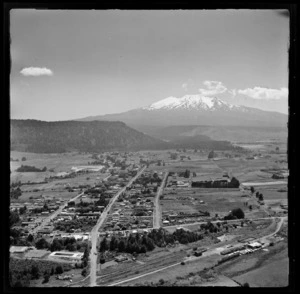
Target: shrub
84,272
34,272
46,278
59,270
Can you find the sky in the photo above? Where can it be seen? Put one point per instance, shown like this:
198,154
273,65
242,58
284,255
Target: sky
69,64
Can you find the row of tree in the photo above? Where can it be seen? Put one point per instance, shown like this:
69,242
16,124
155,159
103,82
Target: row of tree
141,243
29,168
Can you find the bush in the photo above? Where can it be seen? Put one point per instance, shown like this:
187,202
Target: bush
46,278
182,263
59,270
236,213
35,274
84,272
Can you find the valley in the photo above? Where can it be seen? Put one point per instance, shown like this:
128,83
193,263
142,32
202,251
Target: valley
172,206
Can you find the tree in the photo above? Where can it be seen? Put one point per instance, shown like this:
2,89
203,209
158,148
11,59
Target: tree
14,217
59,270
30,238
102,260
252,189
22,209
121,246
71,247
86,253
34,272
246,285
52,271
84,272
103,245
236,213
42,244
211,154
187,173
46,277
261,197
143,249
18,284
234,183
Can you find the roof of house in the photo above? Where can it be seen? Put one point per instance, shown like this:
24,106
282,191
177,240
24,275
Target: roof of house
18,249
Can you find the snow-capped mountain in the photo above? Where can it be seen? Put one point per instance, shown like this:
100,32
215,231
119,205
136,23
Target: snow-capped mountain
192,102
196,110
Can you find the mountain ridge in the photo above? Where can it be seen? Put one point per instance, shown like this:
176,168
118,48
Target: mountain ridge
63,136
195,110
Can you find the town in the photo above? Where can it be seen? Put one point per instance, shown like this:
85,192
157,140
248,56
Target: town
87,217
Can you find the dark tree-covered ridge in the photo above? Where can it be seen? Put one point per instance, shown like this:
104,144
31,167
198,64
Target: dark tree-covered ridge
63,136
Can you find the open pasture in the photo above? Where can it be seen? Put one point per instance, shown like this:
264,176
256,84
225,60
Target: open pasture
60,162
58,194
215,201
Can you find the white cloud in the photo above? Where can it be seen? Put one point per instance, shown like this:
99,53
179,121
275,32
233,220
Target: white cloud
184,86
232,92
188,85
36,71
212,88
265,93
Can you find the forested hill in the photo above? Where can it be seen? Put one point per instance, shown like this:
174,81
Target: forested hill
63,136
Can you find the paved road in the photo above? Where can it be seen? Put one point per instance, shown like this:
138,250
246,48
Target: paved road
157,207
54,214
94,232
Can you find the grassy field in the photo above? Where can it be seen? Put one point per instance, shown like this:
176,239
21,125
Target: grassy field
261,269
216,201
30,196
59,162
173,274
275,274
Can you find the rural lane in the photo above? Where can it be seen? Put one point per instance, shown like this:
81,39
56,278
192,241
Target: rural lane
157,207
54,214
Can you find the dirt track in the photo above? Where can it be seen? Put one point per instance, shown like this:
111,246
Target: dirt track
157,207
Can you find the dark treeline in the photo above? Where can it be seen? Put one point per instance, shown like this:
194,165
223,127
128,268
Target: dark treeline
141,243
29,168
63,136
234,183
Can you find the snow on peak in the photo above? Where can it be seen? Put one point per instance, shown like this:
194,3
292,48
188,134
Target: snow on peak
169,102
190,102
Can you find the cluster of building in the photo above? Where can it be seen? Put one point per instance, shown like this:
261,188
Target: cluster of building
169,217
134,208
238,250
